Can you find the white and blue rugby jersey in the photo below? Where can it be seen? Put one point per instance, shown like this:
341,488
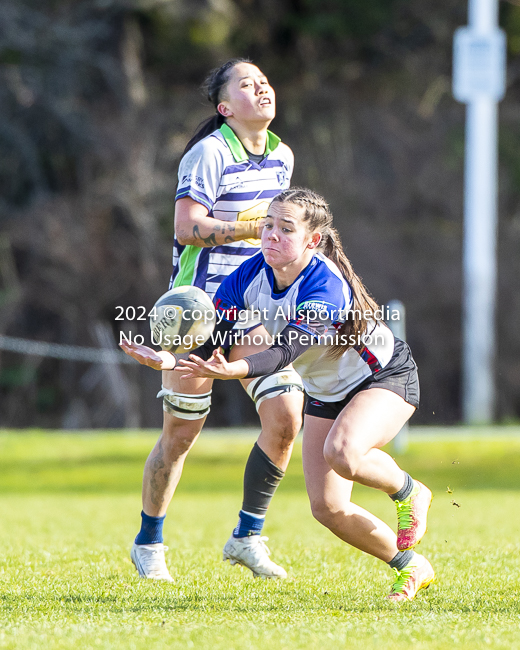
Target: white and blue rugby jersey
319,289
218,173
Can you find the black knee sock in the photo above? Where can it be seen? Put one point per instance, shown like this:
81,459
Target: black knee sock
401,560
261,478
405,491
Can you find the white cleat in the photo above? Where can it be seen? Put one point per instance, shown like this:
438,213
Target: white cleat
149,561
252,553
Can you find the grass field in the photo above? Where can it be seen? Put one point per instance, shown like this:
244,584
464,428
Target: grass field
70,508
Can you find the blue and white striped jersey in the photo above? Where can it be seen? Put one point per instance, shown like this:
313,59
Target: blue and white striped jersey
218,173
317,304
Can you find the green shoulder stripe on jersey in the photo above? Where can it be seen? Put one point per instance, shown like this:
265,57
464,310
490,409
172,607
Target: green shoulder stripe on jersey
272,142
187,262
237,148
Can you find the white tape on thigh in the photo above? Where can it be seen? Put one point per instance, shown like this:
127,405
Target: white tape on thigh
183,406
269,386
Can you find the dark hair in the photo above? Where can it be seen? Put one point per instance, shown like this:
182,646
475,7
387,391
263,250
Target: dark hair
213,85
318,217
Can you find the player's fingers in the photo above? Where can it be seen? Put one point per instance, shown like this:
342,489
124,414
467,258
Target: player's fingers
126,347
196,362
219,358
135,354
182,368
186,363
137,350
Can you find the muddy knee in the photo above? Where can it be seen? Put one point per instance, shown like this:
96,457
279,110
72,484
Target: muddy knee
178,436
282,427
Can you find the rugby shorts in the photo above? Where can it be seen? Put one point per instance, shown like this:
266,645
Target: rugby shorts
399,376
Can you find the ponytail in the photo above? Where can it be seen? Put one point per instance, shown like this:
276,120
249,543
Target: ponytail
214,84
362,302
204,129
318,218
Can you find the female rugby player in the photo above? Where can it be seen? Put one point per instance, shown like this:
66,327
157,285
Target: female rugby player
361,383
228,175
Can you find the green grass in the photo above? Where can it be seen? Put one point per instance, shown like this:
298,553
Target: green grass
69,508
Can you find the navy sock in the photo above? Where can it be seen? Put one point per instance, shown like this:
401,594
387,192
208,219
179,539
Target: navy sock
405,491
401,560
248,525
151,530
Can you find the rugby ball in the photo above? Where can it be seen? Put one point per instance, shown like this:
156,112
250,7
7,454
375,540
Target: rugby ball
182,319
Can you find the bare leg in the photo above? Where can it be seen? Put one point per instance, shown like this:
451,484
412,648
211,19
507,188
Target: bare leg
368,422
163,468
330,494
162,473
281,419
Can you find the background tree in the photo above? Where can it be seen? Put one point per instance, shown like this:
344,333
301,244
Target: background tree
99,98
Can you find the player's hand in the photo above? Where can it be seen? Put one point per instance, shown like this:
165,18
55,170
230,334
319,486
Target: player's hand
216,367
161,360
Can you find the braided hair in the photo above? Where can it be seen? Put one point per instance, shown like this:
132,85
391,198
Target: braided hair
318,218
213,86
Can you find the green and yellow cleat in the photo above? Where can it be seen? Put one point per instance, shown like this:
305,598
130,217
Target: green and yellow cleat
412,514
416,575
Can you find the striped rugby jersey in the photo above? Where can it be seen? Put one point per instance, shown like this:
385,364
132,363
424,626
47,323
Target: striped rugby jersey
320,288
218,173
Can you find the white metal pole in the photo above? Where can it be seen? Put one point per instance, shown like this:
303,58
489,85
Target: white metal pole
479,261
483,15
479,246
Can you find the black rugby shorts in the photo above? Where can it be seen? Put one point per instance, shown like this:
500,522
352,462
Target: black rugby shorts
399,376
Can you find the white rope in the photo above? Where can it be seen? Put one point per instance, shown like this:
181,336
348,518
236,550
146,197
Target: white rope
61,351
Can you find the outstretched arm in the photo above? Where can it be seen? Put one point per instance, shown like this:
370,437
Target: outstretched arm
290,344
163,360
160,360
216,367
